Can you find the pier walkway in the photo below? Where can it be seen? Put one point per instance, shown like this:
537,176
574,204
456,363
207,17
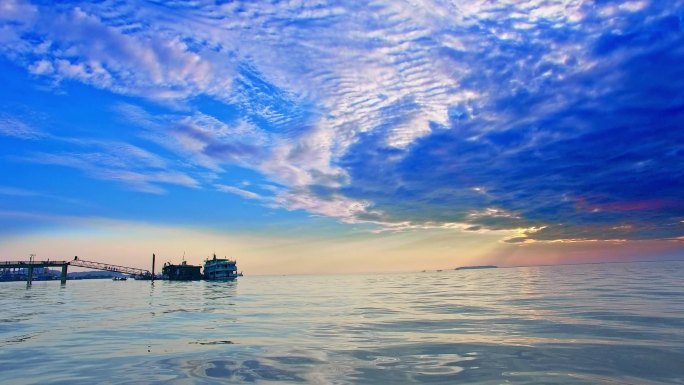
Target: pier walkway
64,265
108,267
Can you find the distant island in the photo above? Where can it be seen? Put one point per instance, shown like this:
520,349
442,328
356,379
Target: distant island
476,267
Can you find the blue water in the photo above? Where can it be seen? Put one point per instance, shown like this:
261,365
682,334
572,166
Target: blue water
588,324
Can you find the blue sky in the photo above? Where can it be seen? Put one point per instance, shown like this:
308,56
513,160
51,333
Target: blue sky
482,131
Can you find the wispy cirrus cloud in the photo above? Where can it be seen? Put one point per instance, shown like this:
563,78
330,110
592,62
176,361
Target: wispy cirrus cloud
13,127
117,161
15,192
122,163
238,191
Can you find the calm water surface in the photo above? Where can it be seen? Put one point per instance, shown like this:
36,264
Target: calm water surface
590,324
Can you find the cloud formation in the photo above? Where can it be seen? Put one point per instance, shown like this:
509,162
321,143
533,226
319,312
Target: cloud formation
561,120
123,163
15,128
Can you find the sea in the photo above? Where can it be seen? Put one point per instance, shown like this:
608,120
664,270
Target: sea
584,324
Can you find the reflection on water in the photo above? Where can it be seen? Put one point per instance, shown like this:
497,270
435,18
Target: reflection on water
591,324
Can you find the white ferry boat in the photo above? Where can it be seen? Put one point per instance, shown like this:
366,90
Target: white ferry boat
220,269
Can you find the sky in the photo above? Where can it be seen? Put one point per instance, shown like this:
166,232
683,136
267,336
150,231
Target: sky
342,136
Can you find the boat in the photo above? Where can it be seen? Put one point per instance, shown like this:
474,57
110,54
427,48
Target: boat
182,272
220,269
119,278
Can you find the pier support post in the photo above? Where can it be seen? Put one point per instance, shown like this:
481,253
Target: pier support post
64,273
29,277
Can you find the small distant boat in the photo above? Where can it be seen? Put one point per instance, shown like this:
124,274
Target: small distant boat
476,267
119,278
220,269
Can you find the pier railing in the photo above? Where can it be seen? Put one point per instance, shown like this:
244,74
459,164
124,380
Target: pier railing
19,264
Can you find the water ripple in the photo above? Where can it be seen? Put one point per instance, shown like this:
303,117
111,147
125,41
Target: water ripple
598,324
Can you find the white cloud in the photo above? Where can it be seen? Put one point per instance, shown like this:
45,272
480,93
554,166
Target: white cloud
238,191
13,127
77,44
136,168
492,212
17,11
336,206
41,67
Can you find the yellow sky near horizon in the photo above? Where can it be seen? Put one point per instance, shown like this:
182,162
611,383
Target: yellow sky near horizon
132,244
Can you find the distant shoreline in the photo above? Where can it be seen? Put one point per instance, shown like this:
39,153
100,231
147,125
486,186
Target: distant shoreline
478,267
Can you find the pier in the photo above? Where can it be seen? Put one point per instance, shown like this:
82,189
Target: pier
31,264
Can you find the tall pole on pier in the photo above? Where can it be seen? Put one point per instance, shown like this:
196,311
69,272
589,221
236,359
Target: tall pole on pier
29,277
152,267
